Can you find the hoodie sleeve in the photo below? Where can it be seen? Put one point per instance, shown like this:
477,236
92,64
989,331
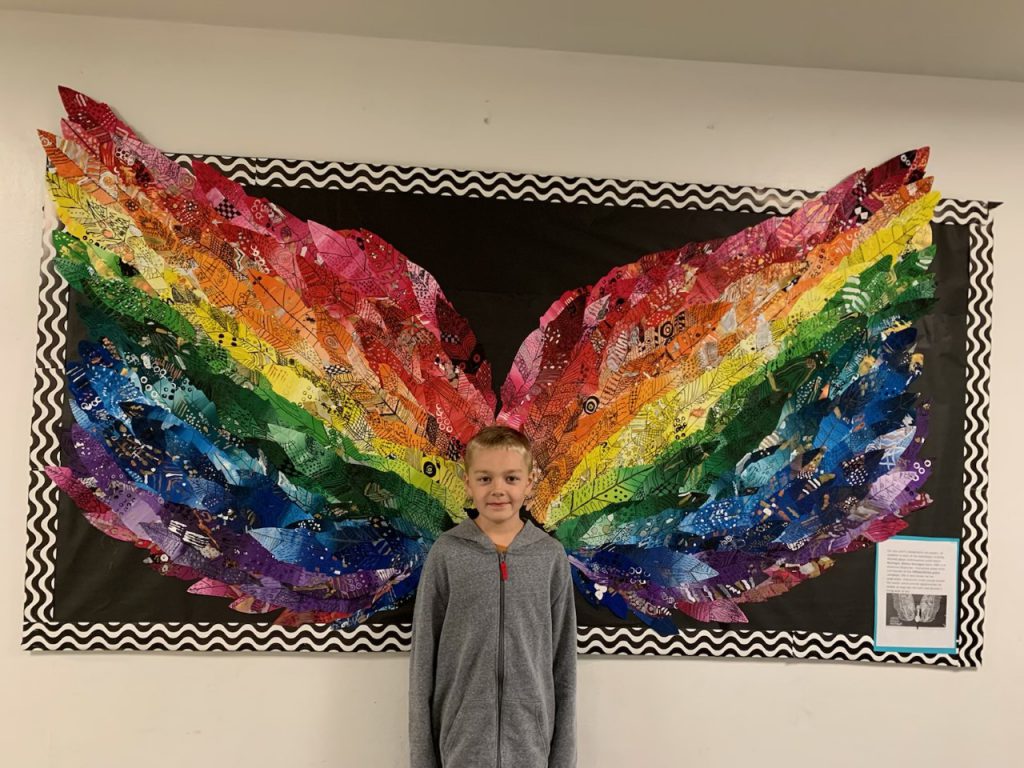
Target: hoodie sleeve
428,618
563,625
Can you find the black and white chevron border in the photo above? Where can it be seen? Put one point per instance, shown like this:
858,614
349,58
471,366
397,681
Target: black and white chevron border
974,538
212,637
500,185
44,446
42,632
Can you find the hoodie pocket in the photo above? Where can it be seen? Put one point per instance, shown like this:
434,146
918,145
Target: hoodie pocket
525,742
470,737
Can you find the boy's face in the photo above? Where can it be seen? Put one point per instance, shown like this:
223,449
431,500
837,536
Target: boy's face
498,482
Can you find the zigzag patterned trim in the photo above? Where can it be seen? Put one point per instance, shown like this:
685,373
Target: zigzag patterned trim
41,632
738,643
500,185
213,637
974,545
44,447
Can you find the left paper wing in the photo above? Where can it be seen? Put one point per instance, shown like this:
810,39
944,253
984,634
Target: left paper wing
274,410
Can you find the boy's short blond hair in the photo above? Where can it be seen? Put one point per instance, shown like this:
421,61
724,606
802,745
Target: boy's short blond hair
499,436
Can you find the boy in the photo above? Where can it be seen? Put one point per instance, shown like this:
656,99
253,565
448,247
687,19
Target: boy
492,678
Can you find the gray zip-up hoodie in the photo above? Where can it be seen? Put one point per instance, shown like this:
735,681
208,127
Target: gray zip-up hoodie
492,677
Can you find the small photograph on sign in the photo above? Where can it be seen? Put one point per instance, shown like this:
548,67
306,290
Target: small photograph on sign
902,609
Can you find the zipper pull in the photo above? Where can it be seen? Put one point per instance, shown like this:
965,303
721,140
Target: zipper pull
504,570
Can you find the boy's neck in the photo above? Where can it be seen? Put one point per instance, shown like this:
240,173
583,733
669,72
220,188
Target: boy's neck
502,535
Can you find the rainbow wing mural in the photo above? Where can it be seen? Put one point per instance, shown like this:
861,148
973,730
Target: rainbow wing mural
274,410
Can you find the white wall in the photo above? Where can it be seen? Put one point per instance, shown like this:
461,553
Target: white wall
191,88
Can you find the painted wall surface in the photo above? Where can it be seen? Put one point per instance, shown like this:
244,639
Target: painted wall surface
241,91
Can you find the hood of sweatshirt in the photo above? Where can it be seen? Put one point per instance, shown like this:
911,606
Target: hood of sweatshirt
530,534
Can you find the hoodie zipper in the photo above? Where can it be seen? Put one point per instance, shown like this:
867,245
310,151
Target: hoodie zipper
500,667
